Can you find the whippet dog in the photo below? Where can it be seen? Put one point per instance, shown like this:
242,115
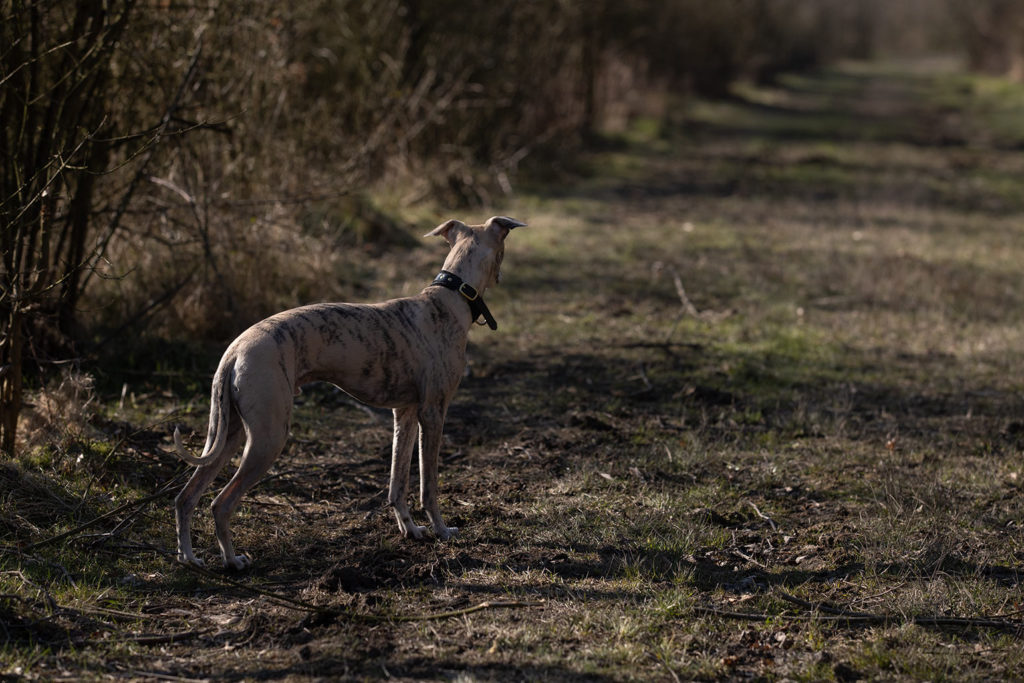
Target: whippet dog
405,354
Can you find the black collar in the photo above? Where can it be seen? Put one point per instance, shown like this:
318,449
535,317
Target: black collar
476,302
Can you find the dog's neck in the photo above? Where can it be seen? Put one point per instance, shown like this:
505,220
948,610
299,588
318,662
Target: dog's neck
476,263
473,298
473,264
463,279
477,283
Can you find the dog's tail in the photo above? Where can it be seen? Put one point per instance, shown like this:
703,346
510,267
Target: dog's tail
220,417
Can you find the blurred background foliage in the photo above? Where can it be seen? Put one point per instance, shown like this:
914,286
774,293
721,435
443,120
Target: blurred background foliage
185,168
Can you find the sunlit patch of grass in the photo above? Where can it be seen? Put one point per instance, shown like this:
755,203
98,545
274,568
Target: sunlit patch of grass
991,102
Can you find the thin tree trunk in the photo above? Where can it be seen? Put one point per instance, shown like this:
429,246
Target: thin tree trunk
11,379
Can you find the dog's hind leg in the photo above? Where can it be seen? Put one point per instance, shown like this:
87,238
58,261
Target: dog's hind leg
431,418
188,498
262,447
406,429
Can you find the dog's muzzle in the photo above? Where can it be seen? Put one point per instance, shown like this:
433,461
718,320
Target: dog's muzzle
476,302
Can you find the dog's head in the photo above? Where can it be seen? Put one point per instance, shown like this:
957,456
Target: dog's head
476,250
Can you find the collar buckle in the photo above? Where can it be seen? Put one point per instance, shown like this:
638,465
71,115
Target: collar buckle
468,292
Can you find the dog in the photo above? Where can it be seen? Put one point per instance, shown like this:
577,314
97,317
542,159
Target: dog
406,354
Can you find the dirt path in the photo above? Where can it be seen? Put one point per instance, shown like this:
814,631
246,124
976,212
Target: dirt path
770,355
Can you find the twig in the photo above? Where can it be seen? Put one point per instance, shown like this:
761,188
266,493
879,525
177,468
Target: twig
762,515
50,602
497,604
920,620
843,616
113,613
164,638
822,606
147,150
749,559
292,603
156,676
688,306
82,527
890,589
751,616
287,601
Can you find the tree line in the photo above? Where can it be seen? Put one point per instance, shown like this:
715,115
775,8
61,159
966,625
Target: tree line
157,152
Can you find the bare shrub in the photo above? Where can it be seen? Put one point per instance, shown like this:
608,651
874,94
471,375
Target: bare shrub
59,414
280,120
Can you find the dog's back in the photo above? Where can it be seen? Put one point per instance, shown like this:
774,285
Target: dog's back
375,352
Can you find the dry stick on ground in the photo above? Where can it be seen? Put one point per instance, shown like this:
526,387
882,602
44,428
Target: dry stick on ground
920,620
159,676
489,604
138,504
81,616
688,306
684,300
165,638
844,616
748,558
302,605
762,515
145,500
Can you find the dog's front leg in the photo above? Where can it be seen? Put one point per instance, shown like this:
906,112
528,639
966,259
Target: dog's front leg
431,427
406,429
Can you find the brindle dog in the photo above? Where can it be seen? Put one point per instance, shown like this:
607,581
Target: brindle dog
405,354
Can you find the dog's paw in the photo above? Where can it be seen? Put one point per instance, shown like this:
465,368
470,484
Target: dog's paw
414,531
240,563
446,533
191,560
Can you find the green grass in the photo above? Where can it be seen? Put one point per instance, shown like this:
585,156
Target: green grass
836,418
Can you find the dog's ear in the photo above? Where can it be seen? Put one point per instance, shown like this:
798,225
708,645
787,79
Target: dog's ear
503,224
445,230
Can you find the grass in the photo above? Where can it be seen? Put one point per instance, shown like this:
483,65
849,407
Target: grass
836,419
